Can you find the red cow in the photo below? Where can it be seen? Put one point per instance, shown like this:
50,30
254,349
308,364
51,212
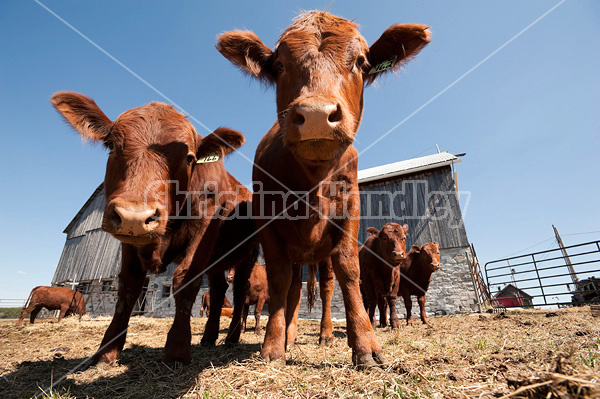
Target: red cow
306,202
380,258
167,201
416,271
206,304
53,298
258,295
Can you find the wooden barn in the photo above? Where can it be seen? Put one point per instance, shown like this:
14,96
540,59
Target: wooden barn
420,192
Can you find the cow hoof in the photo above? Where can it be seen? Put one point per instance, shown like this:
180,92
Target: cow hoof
176,358
207,343
272,355
258,332
365,361
325,341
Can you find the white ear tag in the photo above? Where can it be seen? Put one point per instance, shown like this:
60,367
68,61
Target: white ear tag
209,158
382,66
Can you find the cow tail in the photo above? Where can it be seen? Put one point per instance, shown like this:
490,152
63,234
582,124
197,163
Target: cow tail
311,286
29,298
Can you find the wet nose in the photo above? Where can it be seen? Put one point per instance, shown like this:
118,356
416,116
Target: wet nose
317,120
398,254
134,219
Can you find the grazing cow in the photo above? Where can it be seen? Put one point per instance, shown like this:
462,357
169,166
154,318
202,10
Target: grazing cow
53,298
306,202
416,271
380,258
169,199
258,294
206,304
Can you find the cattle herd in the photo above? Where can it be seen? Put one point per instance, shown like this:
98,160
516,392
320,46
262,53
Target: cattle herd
170,199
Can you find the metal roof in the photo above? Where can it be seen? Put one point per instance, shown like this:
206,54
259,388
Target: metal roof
406,167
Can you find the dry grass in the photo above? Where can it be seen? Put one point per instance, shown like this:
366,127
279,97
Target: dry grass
520,354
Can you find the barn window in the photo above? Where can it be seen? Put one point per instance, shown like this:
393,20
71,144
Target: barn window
107,285
166,291
84,288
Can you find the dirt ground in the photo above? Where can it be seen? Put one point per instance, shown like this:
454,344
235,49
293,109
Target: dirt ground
529,353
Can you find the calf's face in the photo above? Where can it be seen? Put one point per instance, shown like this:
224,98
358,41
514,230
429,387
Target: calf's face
430,256
392,238
153,151
320,66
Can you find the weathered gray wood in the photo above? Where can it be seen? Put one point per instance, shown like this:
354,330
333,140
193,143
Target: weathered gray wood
425,201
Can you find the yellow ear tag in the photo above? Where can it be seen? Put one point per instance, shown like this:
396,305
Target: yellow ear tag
209,158
382,66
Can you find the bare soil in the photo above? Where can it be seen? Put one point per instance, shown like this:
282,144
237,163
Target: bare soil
520,354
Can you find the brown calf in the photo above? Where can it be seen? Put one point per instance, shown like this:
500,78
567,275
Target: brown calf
416,271
206,304
380,258
166,207
258,295
53,298
306,202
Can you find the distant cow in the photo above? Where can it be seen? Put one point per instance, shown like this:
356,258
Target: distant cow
169,199
258,295
416,270
380,258
306,201
206,304
53,298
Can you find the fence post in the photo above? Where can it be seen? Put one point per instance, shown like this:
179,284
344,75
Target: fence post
539,279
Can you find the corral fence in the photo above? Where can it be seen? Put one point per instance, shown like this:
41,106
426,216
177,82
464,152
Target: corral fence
557,277
19,303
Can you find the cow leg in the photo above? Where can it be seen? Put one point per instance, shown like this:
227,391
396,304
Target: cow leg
257,311
131,281
245,316
34,313
218,287
241,285
408,306
24,312
279,276
372,306
394,320
366,351
293,305
421,300
382,305
326,287
63,311
186,284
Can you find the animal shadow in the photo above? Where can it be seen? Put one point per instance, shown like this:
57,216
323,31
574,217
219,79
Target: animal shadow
140,373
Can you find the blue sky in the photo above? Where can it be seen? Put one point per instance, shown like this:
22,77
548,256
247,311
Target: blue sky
528,118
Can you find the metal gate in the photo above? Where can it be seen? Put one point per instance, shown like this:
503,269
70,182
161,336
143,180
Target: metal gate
547,278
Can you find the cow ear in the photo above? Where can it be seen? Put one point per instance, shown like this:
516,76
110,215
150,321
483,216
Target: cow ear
221,142
372,231
83,114
397,45
405,228
416,248
245,50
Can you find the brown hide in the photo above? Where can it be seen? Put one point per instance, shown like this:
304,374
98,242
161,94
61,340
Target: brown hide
380,258
64,299
258,294
206,304
416,271
165,207
306,203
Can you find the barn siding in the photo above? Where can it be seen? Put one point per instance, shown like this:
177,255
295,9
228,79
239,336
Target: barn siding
426,201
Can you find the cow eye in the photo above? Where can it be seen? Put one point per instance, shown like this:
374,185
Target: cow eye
110,146
279,67
190,158
360,61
